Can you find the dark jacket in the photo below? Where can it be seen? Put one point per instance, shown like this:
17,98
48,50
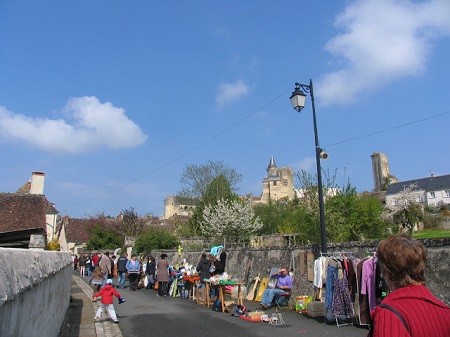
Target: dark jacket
151,267
121,263
203,269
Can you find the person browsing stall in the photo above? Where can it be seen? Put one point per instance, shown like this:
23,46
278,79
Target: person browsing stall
410,310
133,268
284,285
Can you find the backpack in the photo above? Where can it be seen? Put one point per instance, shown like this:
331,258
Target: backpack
217,306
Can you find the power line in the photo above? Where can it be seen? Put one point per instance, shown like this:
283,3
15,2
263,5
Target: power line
386,130
195,148
217,135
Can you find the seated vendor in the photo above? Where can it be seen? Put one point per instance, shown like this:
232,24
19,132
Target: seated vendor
284,285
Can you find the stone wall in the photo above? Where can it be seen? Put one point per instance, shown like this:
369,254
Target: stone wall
34,291
246,263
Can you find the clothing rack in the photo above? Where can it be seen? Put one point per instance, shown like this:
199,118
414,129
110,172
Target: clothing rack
340,254
337,254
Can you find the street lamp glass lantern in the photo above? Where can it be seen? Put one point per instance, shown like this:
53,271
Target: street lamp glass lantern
298,99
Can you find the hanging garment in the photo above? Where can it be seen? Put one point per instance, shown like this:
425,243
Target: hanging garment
368,282
361,300
342,306
332,275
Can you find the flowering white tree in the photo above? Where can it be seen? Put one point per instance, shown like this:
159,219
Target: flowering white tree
229,218
406,210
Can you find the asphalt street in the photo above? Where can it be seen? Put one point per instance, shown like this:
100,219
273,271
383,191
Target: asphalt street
145,314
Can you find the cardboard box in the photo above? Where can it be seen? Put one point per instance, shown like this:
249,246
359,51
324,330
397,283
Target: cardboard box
315,309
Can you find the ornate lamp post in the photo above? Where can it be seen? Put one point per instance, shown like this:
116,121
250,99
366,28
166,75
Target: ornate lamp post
298,99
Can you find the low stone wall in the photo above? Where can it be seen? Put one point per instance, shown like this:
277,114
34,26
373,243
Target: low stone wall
34,291
246,263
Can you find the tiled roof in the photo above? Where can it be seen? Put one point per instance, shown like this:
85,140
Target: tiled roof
50,208
22,211
428,184
77,230
25,188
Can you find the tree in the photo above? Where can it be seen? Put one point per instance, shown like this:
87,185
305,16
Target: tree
155,238
271,216
350,217
218,189
405,211
104,237
229,218
198,177
131,224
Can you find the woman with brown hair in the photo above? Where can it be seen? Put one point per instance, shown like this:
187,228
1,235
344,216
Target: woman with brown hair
97,279
410,310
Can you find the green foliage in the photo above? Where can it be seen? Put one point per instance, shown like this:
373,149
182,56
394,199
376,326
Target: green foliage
192,226
218,189
104,237
350,217
408,217
155,238
432,234
271,216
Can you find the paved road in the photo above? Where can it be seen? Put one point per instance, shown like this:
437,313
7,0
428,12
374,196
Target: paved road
145,314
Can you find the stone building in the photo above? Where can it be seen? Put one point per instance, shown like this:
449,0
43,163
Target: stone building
381,174
174,205
278,184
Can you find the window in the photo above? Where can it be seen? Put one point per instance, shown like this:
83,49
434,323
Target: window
432,195
285,182
447,194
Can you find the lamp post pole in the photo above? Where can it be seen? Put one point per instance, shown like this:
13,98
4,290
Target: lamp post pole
298,102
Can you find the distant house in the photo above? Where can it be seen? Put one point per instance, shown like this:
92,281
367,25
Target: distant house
174,205
21,215
430,191
74,234
27,212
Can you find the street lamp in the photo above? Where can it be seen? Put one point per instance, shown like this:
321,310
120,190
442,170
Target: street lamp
298,99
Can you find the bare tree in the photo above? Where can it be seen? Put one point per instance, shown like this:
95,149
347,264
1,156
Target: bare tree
197,178
131,224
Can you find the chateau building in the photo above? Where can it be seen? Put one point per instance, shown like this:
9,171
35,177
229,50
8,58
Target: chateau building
279,183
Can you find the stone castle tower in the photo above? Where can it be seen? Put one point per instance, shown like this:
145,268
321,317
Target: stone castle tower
278,184
380,169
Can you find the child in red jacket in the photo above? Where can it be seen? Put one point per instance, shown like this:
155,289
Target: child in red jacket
107,294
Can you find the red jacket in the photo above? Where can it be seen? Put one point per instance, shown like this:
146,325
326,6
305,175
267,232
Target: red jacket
424,314
95,260
107,293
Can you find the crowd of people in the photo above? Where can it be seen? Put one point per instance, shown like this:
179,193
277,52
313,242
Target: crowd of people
410,309
149,273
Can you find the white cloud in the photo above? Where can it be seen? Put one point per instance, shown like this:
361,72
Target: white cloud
230,92
308,164
95,125
383,40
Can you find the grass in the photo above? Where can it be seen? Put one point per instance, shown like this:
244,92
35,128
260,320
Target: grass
432,234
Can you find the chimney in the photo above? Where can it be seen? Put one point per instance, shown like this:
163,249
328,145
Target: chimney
37,183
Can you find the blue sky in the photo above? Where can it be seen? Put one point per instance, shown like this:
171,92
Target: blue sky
113,99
